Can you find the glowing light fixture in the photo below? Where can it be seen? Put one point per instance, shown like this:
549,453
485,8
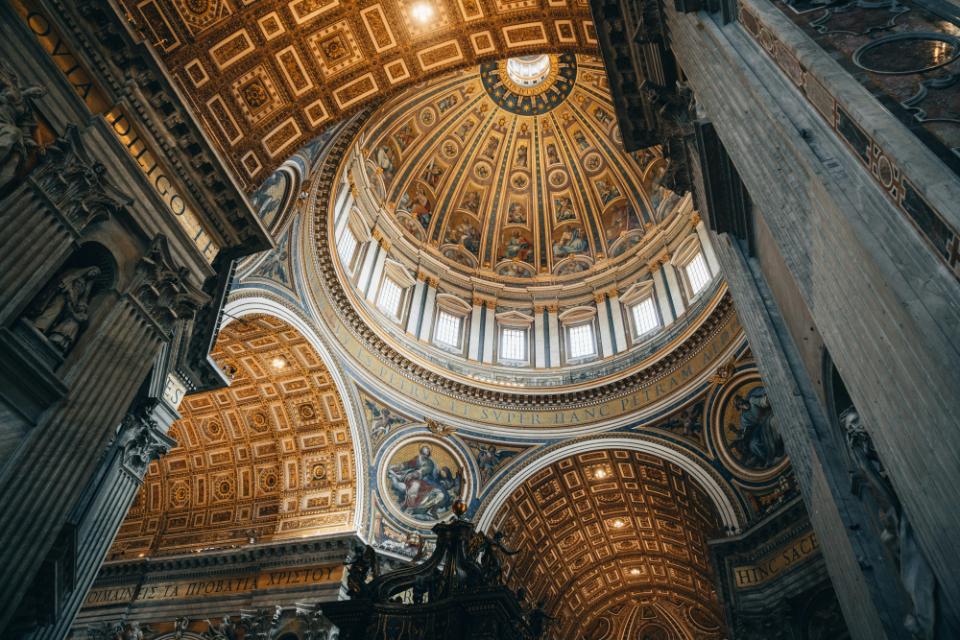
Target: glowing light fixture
278,363
600,474
529,71
422,12
619,524
634,571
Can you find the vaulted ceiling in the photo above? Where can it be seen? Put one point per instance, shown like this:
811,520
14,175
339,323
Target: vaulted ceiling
268,458
605,531
264,77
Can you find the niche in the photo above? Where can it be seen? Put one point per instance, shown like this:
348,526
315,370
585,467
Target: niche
57,317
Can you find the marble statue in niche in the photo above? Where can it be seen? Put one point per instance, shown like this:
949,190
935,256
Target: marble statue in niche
17,123
896,533
60,312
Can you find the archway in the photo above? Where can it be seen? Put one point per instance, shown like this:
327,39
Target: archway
604,530
268,458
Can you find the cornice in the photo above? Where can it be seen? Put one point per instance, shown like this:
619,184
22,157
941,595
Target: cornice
129,71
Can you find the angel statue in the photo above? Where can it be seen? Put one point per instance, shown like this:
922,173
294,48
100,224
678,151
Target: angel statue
491,566
16,123
363,562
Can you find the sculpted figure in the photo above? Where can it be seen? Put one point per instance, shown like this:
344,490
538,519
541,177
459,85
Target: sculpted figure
491,565
538,620
364,562
61,312
916,575
16,123
224,629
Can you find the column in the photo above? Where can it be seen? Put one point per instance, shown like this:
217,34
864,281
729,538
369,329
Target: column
141,438
603,319
553,325
116,352
416,304
376,272
539,338
707,245
674,288
473,348
343,214
616,314
489,330
366,269
429,308
661,293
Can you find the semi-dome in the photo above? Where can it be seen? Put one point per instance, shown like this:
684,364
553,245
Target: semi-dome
514,170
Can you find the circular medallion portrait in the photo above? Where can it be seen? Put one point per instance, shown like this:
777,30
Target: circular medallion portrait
421,479
745,430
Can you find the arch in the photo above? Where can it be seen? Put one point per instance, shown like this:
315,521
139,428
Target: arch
730,517
257,304
266,459
598,526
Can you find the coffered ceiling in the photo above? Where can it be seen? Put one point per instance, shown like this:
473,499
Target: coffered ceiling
268,458
603,531
264,77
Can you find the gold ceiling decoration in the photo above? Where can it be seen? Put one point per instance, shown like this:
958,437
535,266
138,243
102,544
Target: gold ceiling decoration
268,458
510,185
265,77
634,535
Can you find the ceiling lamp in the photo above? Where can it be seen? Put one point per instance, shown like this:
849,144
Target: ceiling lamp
278,363
634,571
421,12
619,524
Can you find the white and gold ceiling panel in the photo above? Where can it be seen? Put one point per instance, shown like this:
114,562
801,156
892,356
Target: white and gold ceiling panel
318,60
267,458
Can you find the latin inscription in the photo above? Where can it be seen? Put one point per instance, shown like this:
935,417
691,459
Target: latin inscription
186,589
704,360
771,566
95,100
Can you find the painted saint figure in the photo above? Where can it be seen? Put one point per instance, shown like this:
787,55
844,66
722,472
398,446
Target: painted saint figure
424,490
757,440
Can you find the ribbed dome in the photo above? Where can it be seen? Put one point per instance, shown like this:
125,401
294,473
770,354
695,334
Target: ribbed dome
512,181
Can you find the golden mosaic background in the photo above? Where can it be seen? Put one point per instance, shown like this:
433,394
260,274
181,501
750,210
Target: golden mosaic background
564,520
267,458
264,77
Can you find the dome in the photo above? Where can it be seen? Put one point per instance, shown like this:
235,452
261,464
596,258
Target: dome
491,231
513,170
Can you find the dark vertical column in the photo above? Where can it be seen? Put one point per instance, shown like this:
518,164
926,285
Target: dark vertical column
140,438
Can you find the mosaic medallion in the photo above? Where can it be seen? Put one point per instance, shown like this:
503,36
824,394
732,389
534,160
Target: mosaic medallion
744,430
421,479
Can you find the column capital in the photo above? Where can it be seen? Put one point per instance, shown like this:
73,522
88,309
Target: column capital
378,235
599,296
143,439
